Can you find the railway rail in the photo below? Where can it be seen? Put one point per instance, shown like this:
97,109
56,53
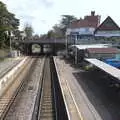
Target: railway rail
47,107
7,99
49,102
46,98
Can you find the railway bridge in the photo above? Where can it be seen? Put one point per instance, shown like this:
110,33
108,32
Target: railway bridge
49,46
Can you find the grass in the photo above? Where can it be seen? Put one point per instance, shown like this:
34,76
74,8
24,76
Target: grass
1,59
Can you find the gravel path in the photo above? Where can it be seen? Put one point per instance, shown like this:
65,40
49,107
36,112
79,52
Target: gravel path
23,106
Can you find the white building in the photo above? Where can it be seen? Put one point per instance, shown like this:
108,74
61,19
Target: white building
83,28
107,29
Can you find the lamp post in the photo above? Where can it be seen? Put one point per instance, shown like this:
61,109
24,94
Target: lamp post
68,33
11,35
66,45
10,47
76,49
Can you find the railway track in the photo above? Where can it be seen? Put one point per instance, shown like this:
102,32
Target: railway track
47,108
49,101
10,94
46,99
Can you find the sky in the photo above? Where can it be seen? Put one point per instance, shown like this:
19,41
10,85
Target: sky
43,14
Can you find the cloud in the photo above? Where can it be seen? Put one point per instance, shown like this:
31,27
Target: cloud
47,3
43,14
43,21
30,11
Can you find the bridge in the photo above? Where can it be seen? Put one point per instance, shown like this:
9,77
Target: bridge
52,45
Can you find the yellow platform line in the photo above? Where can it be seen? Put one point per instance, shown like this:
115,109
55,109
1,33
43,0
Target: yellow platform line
80,114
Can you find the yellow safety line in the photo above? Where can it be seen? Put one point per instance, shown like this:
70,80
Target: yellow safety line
80,115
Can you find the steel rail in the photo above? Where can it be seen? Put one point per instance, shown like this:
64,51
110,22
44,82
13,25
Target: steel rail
47,110
11,99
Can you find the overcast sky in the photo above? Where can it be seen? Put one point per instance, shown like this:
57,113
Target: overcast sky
43,14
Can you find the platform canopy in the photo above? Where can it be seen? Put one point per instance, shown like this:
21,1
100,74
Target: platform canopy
115,72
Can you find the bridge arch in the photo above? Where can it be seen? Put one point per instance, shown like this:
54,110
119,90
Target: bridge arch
35,49
47,48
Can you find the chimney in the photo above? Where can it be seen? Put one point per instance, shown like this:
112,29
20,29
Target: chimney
92,13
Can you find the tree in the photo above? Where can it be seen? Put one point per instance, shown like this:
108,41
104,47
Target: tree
43,36
57,31
67,19
18,35
8,23
60,29
36,37
65,22
28,31
50,34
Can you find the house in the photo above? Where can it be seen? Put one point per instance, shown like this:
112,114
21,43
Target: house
83,28
108,28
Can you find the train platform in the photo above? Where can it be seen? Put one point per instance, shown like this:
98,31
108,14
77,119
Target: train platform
77,103
8,63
